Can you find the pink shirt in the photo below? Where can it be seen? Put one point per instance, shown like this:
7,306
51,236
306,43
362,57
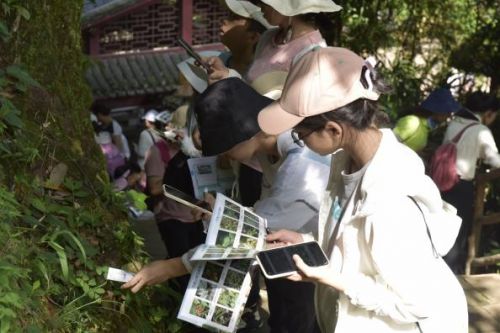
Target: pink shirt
271,57
167,209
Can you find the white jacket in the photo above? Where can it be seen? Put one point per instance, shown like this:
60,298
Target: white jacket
383,249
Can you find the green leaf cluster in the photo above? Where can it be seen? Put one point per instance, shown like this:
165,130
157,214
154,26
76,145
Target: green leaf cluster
418,42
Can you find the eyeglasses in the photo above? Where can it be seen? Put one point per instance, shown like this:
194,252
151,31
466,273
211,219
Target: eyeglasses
299,139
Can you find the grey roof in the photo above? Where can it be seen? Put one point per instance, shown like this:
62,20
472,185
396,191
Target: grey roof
93,10
89,5
134,74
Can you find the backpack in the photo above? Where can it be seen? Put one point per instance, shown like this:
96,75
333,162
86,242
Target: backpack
177,172
442,168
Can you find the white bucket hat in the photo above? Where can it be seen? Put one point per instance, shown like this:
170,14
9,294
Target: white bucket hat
150,115
196,76
248,10
297,7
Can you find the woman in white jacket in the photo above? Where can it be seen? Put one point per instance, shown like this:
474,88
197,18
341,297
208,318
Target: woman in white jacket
383,222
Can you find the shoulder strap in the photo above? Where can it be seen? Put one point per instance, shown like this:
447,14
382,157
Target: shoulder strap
152,136
459,135
436,254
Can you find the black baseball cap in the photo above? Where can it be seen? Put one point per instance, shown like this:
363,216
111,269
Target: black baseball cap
227,115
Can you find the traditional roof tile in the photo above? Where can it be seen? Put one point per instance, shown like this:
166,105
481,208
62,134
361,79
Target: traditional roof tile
134,74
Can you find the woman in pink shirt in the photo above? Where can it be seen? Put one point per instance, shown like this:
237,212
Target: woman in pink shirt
298,25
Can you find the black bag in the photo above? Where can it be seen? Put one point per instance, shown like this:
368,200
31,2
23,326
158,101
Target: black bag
177,174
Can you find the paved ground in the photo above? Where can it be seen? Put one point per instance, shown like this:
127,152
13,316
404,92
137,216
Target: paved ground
483,291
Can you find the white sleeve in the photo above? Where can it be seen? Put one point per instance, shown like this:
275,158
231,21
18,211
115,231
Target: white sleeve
126,148
145,141
489,151
117,129
186,259
295,194
233,73
405,285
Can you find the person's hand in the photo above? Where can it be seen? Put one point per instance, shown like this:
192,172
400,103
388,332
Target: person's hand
218,70
156,272
283,237
321,274
198,214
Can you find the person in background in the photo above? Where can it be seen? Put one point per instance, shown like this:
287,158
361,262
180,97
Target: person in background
148,136
382,222
165,163
127,177
108,124
413,130
476,144
114,158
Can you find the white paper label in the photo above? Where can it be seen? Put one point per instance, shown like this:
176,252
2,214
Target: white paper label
118,275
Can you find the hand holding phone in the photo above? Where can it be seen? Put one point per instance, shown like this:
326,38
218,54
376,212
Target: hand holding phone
278,262
192,53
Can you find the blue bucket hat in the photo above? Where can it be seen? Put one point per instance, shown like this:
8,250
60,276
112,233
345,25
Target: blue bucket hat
441,101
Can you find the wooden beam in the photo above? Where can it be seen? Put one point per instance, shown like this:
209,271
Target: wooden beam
484,177
187,20
94,45
486,261
489,219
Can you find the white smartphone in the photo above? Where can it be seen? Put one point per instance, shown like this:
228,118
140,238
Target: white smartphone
278,262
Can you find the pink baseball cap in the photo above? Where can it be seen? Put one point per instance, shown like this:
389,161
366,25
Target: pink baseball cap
323,80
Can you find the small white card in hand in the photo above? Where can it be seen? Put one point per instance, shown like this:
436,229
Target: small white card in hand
118,275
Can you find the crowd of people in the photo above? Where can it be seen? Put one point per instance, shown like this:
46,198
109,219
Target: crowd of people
300,124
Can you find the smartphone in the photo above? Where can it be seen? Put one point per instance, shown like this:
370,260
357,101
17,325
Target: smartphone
278,262
185,199
192,53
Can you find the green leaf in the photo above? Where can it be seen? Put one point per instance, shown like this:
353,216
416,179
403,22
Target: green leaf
39,205
21,75
4,31
23,12
75,240
4,323
13,119
11,298
43,269
36,285
63,259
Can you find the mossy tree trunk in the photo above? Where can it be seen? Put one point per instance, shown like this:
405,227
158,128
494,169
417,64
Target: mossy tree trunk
57,244
49,46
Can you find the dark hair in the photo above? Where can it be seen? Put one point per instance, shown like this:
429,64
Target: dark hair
359,114
255,26
321,21
132,167
102,109
480,102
